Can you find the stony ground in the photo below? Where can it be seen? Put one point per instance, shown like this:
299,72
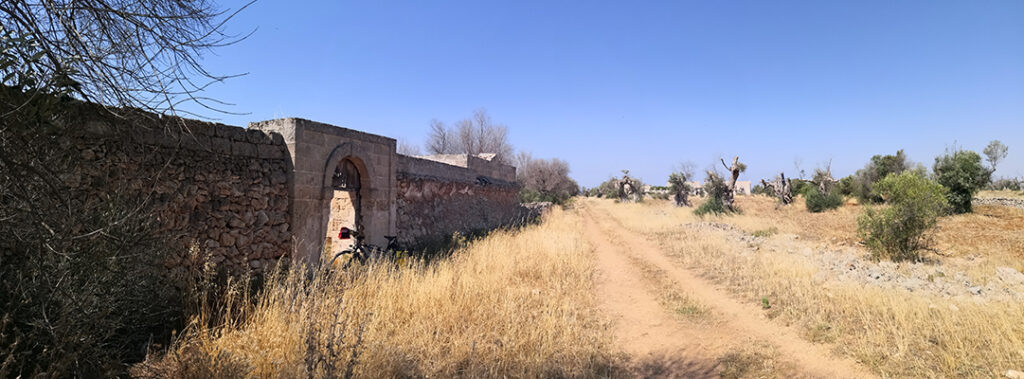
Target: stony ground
675,317
723,337
852,264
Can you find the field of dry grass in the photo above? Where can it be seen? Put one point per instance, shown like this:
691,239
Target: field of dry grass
517,303
522,303
1005,194
989,237
894,332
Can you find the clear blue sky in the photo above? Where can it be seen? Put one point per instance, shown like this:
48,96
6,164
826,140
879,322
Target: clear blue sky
648,85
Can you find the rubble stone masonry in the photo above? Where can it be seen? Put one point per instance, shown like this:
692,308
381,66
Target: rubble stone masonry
246,198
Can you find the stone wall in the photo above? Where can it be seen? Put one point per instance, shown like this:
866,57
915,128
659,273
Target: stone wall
318,150
436,199
247,197
221,188
1006,202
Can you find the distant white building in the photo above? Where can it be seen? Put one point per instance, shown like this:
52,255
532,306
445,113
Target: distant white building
696,188
742,188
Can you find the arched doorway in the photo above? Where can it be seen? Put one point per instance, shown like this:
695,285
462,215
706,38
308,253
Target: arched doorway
345,206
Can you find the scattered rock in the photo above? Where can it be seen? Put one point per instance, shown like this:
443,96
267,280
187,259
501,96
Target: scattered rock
227,239
1016,203
1014,374
1009,275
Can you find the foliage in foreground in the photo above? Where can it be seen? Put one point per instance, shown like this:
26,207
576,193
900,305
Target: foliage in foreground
527,312
82,283
899,230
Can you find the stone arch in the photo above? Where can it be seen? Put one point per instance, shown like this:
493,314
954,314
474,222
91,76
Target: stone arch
345,160
343,194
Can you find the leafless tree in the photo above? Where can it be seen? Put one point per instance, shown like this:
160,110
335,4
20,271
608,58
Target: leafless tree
140,54
475,135
544,179
440,140
406,148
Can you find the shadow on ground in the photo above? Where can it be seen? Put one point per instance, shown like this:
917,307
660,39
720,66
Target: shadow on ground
663,365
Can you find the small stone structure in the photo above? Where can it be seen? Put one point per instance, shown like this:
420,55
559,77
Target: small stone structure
248,197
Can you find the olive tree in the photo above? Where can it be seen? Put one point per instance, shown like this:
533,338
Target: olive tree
679,187
995,152
962,173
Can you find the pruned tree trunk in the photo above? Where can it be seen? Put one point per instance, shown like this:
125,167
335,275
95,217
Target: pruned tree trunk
734,173
682,199
782,188
628,191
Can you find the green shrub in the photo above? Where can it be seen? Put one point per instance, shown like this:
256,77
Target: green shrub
818,202
878,168
716,190
962,173
532,196
762,190
846,186
766,232
713,205
609,189
800,186
898,231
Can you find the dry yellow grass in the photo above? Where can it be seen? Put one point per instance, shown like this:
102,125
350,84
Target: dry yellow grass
516,303
993,233
1006,194
894,332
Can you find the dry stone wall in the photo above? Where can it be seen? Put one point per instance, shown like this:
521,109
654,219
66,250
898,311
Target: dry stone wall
220,188
1006,202
437,199
246,198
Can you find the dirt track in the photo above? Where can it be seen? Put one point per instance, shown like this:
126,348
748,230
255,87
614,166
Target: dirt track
662,345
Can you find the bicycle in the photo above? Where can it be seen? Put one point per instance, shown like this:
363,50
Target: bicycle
364,253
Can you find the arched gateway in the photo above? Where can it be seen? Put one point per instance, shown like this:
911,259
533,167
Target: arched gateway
341,177
344,177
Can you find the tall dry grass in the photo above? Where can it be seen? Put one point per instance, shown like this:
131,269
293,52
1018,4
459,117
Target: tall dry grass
517,303
894,332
